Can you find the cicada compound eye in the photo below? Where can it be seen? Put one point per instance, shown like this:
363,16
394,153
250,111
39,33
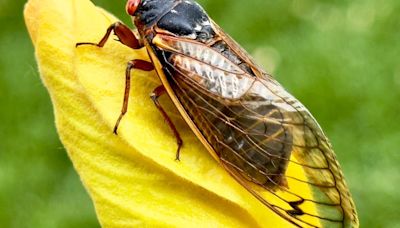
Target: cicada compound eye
132,5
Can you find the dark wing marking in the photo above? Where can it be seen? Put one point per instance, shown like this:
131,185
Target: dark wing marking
263,136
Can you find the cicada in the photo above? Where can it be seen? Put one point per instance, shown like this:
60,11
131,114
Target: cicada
242,115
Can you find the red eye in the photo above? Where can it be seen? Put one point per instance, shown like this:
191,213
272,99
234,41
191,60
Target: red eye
131,6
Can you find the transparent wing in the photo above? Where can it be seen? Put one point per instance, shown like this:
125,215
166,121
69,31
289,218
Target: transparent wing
264,137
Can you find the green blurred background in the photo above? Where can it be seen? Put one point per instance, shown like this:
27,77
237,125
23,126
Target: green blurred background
340,58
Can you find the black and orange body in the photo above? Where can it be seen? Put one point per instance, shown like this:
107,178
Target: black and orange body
244,117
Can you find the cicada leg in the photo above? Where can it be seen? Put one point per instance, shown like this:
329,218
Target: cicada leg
124,34
157,92
133,64
126,37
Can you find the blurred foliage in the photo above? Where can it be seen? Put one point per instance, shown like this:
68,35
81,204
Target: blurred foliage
340,58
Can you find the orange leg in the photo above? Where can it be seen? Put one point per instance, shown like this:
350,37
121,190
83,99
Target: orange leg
133,64
126,37
157,92
124,34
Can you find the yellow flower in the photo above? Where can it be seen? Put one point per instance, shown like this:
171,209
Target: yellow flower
132,178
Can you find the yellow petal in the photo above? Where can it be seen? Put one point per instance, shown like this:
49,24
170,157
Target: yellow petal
132,178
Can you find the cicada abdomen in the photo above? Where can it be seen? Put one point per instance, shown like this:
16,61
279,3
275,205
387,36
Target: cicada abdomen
263,136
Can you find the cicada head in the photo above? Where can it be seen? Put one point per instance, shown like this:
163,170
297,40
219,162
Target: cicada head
179,18
132,6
